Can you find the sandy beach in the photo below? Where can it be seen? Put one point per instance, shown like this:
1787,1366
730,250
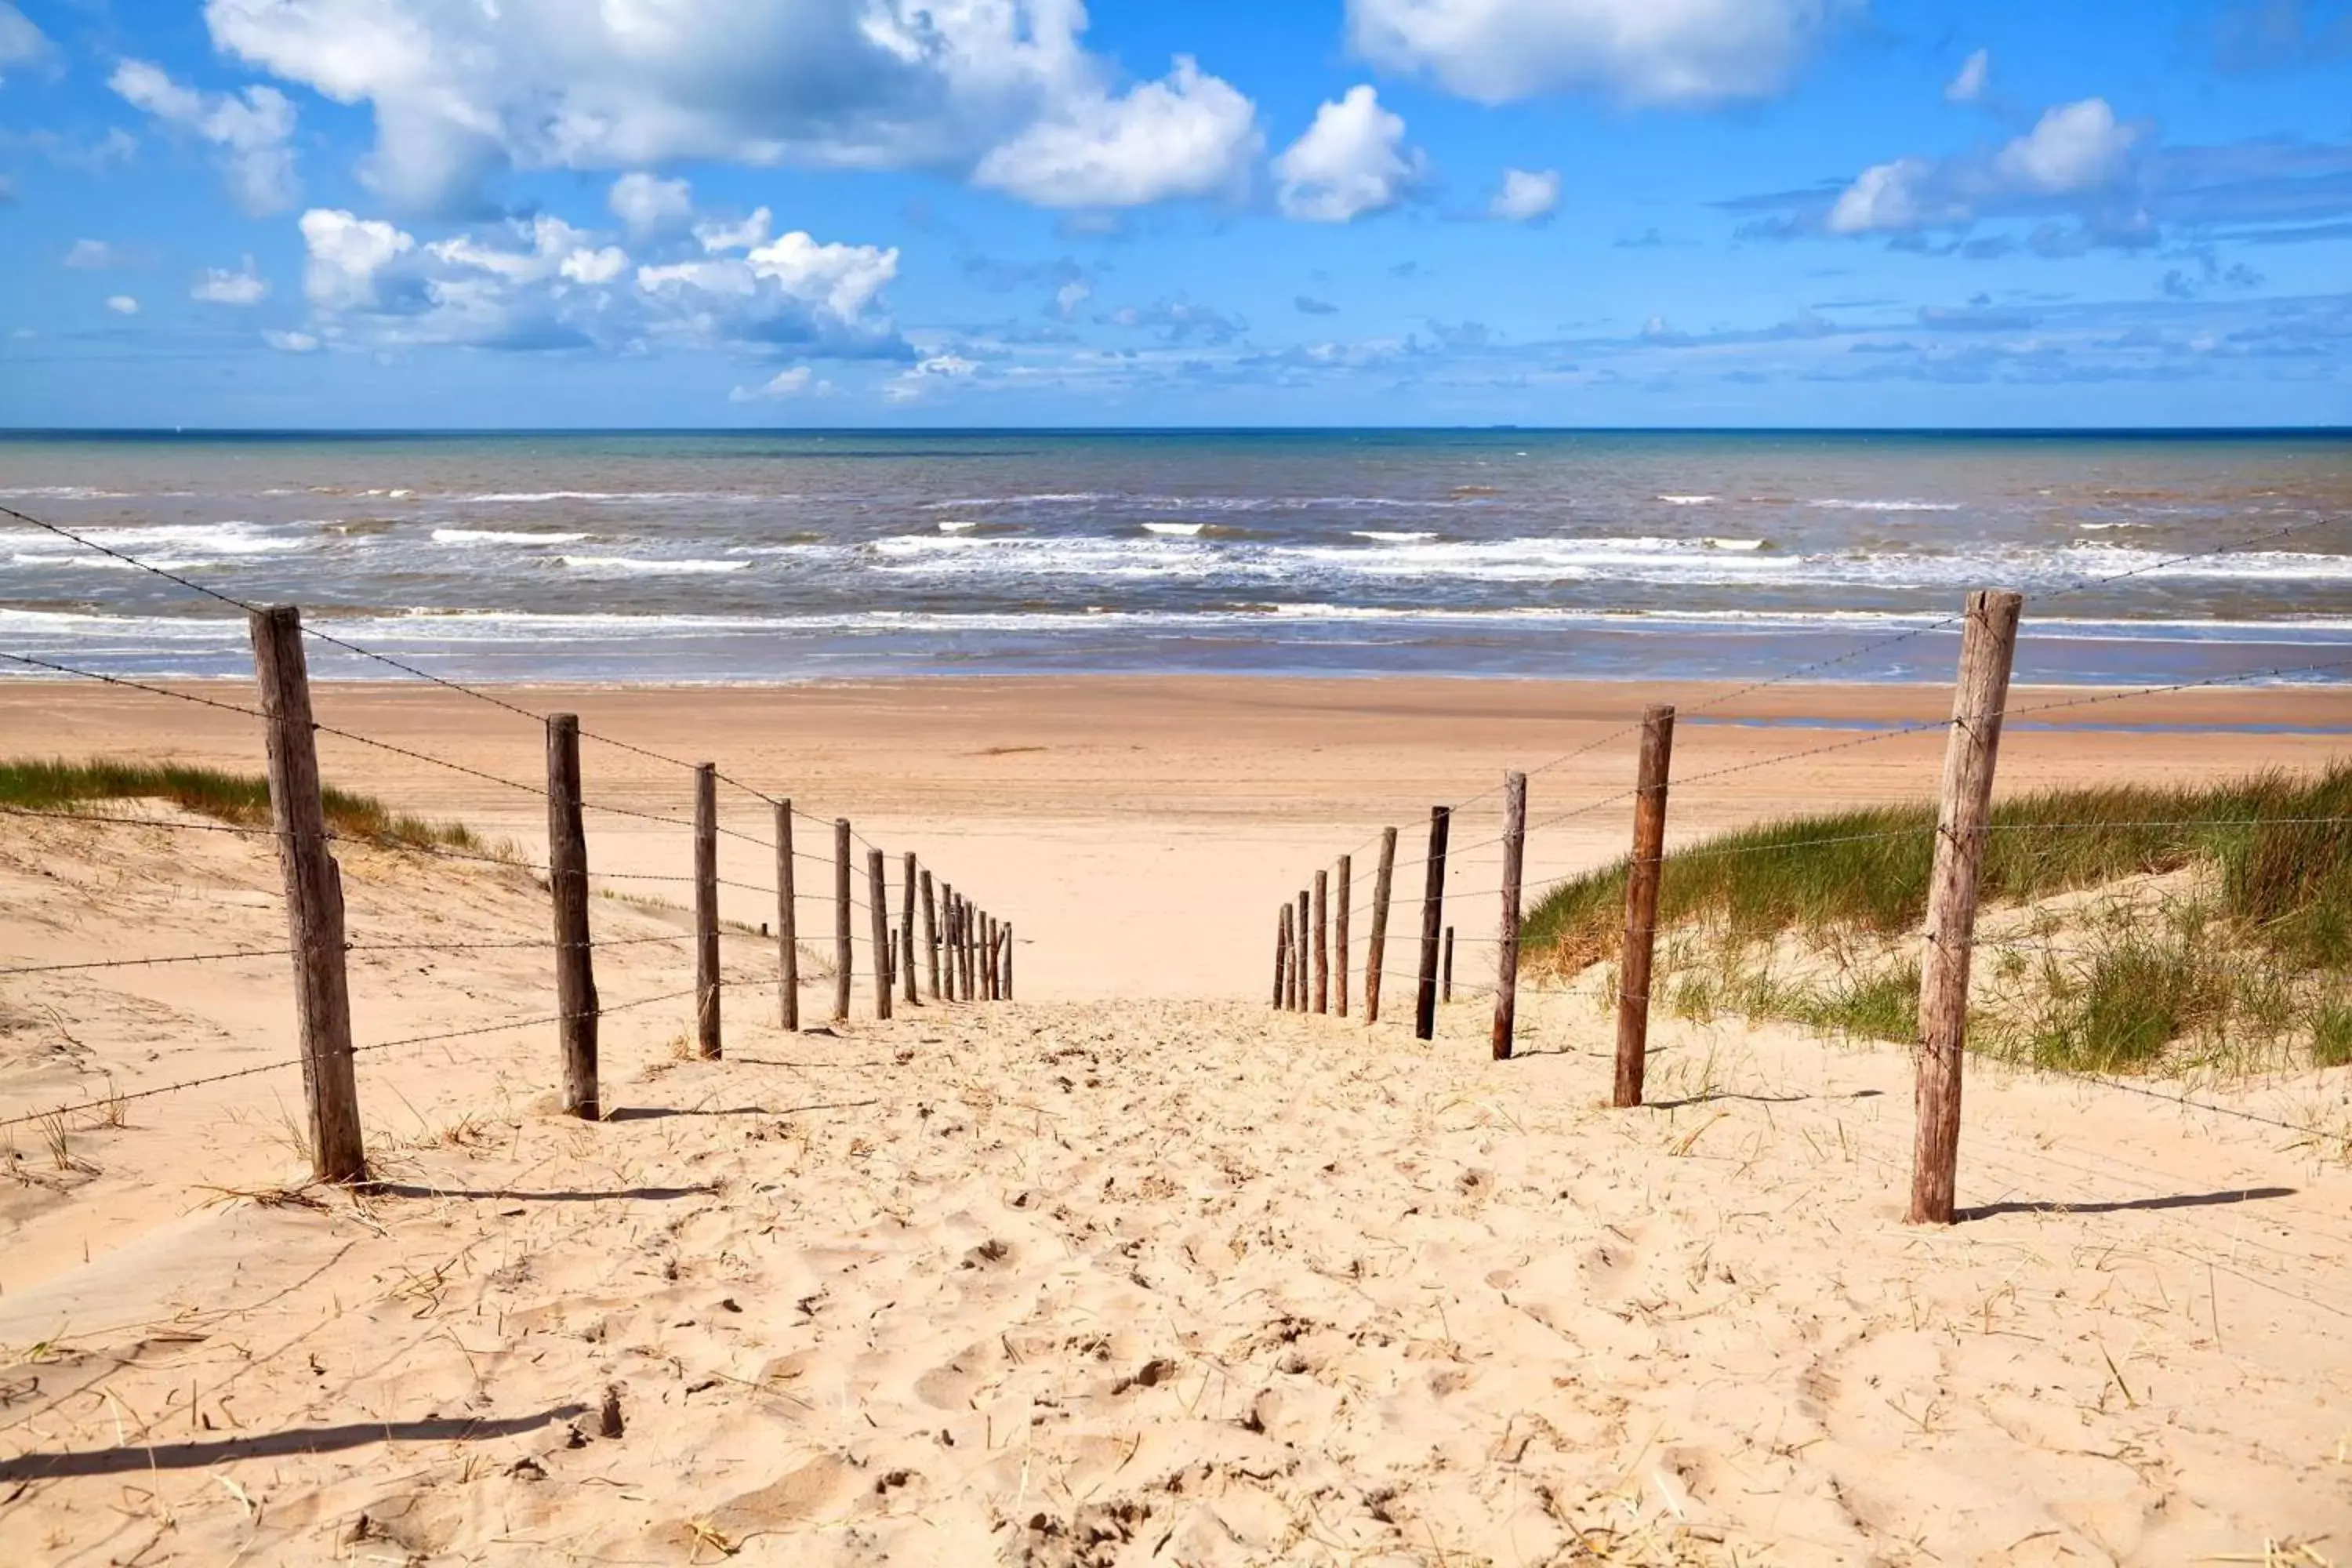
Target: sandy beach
1132,1269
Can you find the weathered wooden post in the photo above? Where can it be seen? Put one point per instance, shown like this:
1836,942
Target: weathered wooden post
968,929
1506,940
314,897
1448,966
706,912
995,961
1987,645
911,992
1376,949
788,939
1642,870
949,988
843,960
877,902
1346,885
1306,950
1432,919
1322,942
567,882
1282,955
1008,960
930,939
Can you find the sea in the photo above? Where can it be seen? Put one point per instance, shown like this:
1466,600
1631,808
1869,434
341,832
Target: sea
774,558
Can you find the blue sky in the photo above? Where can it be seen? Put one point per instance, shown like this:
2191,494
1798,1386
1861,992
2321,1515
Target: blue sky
405,213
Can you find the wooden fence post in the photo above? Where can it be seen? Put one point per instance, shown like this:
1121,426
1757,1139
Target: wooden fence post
968,932
1506,942
1322,942
1281,954
788,938
1432,919
567,882
948,987
1306,950
912,992
1449,964
1376,949
930,939
843,960
314,897
877,902
1635,965
1987,645
1346,884
995,961
706,912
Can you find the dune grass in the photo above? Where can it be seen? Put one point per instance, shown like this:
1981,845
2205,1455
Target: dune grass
241,798
2260,950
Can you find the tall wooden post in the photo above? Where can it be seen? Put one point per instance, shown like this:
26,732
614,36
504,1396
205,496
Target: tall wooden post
1642,868
1322,942
314,897
1432,919
706,912
947,961
877,902
1376,949
1507,941
995,961
1986,647
1008,960
1447,984
1346,885
843,960
1281,953
788,935
1305,950
567,881
968,953
912,992
930,939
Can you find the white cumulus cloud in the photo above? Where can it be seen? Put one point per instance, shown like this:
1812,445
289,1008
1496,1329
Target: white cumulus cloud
92,255
1645,51
123,305
648,205
1351,162
461,88
253,132
1525,197
1189,135
219,286
2078,151
21,43
346,252
790,382
289,342
1976,74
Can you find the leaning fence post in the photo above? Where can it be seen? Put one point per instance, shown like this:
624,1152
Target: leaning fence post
1642,868
1346,885
914,996
1376,949
1281,953
788,941
1506,939
843,966
995,962
877,902
1987,645
314,897
706,910
1448,966
930,939
1432,917
567,882
1322,942
1008,960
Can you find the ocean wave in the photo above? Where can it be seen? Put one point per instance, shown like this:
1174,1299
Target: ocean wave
232,538
501,536
63,493
1886,505
957,525
1688,500
1176,530
651,568
1382,536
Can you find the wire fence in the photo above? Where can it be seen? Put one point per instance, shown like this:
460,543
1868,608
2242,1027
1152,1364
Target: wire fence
900,926
1333,940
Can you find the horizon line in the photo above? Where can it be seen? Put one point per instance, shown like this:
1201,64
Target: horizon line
88,432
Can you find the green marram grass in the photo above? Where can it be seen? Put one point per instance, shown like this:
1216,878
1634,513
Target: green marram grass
2260,952
240,798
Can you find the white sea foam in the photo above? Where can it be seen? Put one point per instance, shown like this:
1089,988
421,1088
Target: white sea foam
232,538
62,492
1181,530
1688,500
651,568
957,525
1887,505
1734,543
501,536
1381,536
